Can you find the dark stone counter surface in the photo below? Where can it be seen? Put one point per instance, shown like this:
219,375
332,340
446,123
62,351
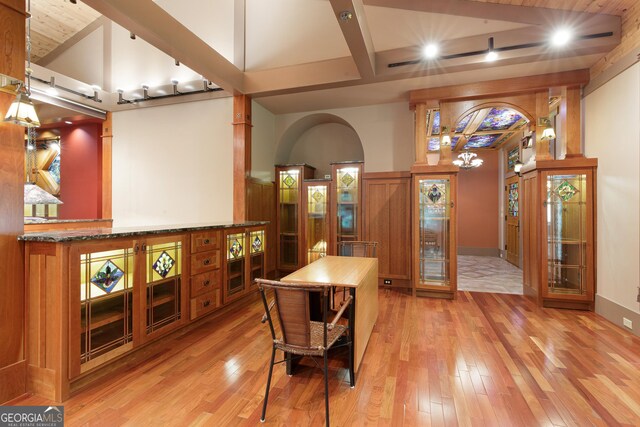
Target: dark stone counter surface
115,233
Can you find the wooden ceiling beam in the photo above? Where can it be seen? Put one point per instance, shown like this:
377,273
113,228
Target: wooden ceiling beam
501,87
153,24
504,12
353,23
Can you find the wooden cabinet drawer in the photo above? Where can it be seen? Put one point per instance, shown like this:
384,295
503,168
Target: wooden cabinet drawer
205,241
206,261
205,303
205,282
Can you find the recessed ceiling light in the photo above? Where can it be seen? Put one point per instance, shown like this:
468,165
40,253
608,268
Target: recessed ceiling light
430,51
561,37
68,122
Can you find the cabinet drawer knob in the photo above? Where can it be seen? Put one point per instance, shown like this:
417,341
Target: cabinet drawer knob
206,303
206,283
206,241
207,261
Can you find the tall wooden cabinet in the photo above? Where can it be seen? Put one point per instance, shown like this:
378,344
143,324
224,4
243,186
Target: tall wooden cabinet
434,233
289,180
565,241
346,199
387,209
316,219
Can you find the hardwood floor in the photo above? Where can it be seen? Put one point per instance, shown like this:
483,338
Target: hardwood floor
484,359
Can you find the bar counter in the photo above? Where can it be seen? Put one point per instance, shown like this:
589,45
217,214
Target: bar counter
95,296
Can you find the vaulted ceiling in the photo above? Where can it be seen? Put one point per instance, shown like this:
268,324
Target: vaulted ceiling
297,55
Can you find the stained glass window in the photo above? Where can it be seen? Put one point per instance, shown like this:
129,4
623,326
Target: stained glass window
482,141
435,129
454,141
499,119
347,207
163,264
462,124
566,191
107,277
434,143
54,169
513,199
513,156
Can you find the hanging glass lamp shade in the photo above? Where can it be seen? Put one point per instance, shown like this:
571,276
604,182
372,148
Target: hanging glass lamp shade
22,112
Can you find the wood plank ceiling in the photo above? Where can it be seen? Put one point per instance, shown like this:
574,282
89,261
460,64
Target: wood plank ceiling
53,22
609,7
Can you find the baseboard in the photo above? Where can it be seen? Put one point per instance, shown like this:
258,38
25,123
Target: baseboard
614,313
493,252
13,381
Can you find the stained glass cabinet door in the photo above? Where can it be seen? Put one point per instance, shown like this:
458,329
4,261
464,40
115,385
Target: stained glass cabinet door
317,208
163,294
289,215
434,230
568,230
346,200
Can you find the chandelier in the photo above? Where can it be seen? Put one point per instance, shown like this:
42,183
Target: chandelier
467,160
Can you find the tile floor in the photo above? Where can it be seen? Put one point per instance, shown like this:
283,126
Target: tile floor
488,274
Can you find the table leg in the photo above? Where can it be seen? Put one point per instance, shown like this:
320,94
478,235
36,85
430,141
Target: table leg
352,326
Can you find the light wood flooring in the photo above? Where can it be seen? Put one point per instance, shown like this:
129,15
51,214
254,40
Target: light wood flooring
488,274
484,359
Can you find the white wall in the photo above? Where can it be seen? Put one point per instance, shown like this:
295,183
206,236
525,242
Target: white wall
326,143
612,134
385,130
83,61
173,164
263,143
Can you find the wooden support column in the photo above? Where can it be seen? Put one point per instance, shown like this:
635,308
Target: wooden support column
12,302
241,154
542,110
421,132
571,129
106,193
446,119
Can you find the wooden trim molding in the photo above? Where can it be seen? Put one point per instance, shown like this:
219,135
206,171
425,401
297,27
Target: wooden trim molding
107,167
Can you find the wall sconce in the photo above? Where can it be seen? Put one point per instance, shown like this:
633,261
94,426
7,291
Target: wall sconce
517,167
548,132
446,138
527,141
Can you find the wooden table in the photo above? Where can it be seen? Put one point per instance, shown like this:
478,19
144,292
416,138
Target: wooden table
360,276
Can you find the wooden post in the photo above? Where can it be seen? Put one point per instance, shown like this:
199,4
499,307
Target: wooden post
241,155
12,302
571,130
421,132
106,193
542,110
445,124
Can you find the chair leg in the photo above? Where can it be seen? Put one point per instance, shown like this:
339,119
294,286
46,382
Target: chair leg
266,394
326,387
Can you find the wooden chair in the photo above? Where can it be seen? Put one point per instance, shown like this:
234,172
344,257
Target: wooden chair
298,334
358,248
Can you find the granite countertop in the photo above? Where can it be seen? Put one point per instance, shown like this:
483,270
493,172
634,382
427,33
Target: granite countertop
114,233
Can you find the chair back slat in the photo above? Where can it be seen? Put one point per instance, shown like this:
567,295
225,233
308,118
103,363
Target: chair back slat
358,249
293,311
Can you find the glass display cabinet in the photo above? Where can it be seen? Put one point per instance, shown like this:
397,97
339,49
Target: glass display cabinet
163,280
434,235
346,199
317,237
244,261
289,215
567,273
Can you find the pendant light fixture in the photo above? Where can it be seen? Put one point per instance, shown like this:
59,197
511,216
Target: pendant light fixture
21,111
467,160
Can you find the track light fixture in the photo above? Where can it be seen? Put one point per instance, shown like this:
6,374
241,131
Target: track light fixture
175,92
73,1
174,83
132,36
145,92
177,63
492,55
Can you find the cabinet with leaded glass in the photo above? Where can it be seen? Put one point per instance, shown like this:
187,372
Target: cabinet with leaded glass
346,201
434,244
289,180
316,226
567,273
244,261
